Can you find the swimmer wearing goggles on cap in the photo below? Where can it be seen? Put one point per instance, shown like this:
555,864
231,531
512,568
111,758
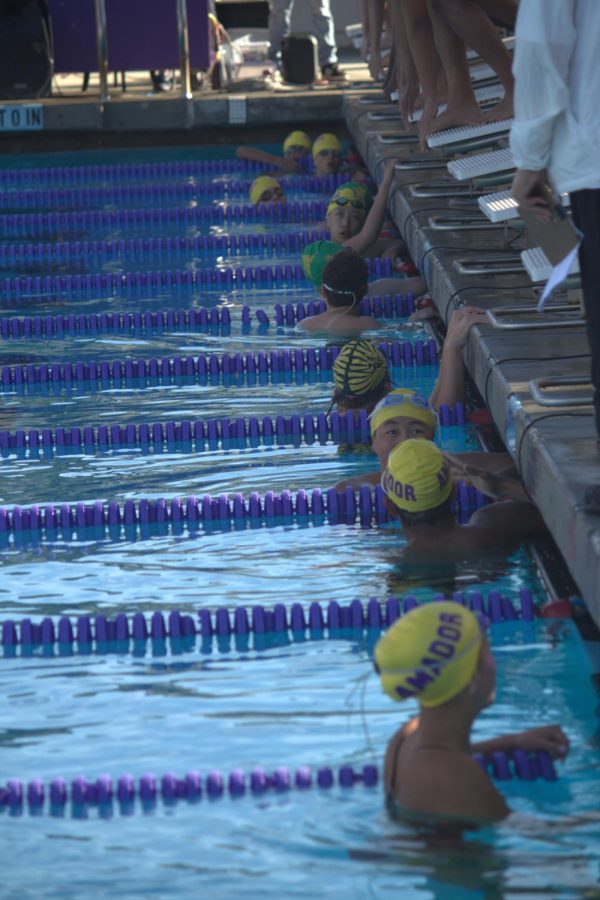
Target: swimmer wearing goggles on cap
403,415
272,195
354,219
296,151
438,655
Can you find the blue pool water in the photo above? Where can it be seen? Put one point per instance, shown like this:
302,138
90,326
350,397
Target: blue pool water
295,703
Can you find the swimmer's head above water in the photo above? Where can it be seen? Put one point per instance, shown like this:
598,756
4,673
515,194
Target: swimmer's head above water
399,416
266,189
361,376
431,655
347,211
327,154
315,257
417,482
297,145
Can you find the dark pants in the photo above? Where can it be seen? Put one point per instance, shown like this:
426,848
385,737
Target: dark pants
586,214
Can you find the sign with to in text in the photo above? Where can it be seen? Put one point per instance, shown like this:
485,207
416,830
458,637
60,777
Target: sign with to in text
22,117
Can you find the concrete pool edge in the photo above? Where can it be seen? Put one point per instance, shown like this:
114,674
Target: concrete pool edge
556,449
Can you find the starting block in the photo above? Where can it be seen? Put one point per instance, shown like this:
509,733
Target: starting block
538,266
498,207
483,164
467,132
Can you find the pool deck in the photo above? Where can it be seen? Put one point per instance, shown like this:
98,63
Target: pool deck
554,446
139,115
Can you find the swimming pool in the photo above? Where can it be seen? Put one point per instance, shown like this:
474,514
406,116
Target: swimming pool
215,705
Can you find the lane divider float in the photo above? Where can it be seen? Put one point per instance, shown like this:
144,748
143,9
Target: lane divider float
102,792
181,629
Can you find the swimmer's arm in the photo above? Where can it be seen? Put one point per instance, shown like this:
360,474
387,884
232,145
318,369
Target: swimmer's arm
450,385
499,486
256,155
369,478
496,462
372,225
506,520
395,286
550,738
493,474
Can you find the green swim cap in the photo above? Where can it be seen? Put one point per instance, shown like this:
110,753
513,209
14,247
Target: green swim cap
315,257
353,194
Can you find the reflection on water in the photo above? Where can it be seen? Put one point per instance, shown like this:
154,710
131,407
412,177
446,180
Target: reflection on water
201,705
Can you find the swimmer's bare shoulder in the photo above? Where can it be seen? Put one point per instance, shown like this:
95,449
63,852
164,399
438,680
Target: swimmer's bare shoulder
340,325
312,323
440,782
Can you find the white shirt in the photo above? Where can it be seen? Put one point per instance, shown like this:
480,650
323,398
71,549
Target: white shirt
557,92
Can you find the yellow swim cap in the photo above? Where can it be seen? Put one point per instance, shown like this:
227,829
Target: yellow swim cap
402,402
297,139
359,369
315,257
430,653
417,476
260,185
326,141
351,194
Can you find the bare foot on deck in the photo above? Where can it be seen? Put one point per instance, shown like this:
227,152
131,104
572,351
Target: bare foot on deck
456,116
430,111
407,102
504,109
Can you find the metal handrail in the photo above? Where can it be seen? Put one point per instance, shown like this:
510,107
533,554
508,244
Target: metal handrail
482,266
402,137
538,385
463,223
102,48
376,100
496,311
183,42
440,189
383,116
416,163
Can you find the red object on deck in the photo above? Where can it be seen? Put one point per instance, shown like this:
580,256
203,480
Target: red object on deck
557,609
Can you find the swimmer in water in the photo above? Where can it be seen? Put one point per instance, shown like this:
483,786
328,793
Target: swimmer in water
438,655
419,491
355,219
327,154
317,254
267,190
361,377
402,415
296,150
344,285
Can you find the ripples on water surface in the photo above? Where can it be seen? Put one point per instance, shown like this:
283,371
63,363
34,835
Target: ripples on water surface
291,703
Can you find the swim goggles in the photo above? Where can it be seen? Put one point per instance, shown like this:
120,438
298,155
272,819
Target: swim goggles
345,201
275,193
